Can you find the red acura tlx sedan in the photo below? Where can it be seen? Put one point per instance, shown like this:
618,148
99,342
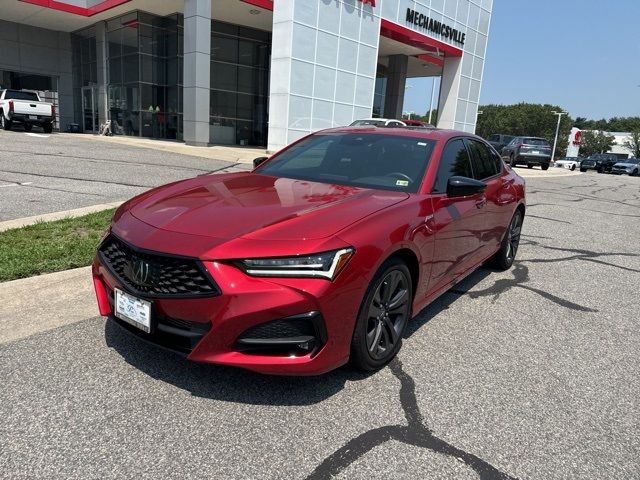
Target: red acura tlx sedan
319,256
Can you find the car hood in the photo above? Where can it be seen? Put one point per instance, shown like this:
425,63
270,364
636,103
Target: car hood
259,207
625,165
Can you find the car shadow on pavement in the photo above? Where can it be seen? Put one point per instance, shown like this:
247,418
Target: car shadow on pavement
224,383
242,386
445,300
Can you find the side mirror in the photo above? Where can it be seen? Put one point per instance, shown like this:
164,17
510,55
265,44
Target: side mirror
464,186
259,160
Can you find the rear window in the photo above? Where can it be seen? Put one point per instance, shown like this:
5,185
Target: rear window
362,123
18,95
535,141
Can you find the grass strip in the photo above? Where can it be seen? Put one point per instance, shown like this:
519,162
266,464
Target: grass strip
47,247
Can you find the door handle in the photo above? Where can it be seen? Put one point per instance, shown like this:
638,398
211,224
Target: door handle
481,203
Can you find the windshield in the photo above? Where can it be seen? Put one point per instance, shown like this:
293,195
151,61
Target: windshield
376,161
18,95
375,123
535,141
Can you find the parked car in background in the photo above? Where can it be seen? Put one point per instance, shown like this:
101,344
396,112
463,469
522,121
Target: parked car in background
24,107
630,166
529,151
413,123
569,162
600,162
499,141
378,122
300,266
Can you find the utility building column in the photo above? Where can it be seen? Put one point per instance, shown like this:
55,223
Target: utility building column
101,60
196,70
396,83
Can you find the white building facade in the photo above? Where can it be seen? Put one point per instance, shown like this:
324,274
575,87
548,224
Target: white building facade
245,72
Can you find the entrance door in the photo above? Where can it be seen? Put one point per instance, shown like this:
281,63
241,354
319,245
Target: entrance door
90,109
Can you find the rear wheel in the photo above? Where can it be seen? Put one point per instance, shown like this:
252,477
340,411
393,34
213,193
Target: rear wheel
503,259
583,169
545,166
27,127
572,167
4,123
47,127
383,316
599,170
529,165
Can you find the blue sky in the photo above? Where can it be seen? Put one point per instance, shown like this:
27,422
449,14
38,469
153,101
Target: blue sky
583,55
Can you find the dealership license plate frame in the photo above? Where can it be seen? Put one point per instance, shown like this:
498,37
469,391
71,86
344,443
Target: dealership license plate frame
132,310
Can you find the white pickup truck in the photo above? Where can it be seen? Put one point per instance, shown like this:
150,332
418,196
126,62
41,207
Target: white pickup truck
20,106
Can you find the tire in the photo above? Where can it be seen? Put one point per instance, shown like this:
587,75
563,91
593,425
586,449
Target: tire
377,336
504,258
634,173
27,127
4,123
512,162
572,167
583,169
599,170
529,165
545,166
47,127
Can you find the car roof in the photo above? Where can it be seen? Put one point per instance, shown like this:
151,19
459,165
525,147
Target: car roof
416,132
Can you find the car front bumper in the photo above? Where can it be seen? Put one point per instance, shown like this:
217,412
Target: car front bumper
223,329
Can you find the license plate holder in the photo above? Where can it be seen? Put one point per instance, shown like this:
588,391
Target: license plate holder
133,310
33,117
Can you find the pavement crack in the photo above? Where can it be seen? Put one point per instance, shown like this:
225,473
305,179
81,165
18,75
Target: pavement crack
415,433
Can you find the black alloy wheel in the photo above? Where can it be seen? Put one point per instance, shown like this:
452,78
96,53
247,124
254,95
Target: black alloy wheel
384,314
504,258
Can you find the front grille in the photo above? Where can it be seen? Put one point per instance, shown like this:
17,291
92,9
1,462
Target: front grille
155,274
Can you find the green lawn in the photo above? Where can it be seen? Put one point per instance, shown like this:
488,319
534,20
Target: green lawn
51,246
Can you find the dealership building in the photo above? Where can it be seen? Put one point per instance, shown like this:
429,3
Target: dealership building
242,72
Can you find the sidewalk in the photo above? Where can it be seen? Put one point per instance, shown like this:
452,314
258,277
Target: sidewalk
234,154
38,304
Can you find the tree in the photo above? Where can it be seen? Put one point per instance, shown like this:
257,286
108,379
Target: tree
596,142
633,143
528,119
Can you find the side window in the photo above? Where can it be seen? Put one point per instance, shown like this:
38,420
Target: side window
484,165
494,138
454,161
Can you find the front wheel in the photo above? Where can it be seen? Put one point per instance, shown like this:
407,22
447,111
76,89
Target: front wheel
383,316
572,168
503,259
634,173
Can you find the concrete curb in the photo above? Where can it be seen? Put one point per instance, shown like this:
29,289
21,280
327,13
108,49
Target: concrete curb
48,217
38,304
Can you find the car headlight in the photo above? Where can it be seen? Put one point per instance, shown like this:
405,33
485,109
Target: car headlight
319,265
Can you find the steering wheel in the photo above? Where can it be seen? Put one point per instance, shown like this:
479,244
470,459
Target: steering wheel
400,175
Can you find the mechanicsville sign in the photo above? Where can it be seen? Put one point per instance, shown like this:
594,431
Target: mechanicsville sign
435,26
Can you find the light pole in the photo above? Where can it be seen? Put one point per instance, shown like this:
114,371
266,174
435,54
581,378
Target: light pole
433,91
555,140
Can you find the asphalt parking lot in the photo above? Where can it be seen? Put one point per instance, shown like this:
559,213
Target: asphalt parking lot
49,173
531,373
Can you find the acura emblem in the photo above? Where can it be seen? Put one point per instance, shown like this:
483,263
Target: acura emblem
140,271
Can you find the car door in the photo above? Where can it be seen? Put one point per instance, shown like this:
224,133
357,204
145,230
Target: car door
454,218
509,149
